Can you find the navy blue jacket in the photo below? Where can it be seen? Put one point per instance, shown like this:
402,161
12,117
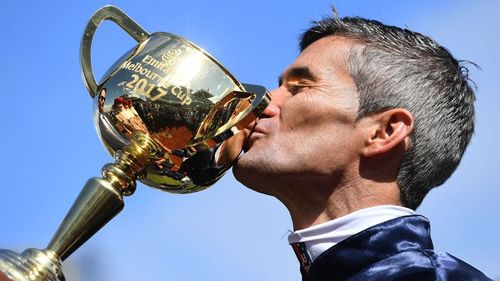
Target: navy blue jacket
399,249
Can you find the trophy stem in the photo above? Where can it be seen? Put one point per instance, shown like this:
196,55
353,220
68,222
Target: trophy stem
102,198
99,201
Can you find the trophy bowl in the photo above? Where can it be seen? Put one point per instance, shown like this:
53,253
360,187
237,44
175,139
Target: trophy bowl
184,100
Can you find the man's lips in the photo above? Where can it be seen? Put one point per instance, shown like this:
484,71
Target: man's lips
258,129
255,134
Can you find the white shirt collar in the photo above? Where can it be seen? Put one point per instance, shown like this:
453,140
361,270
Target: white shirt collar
318,238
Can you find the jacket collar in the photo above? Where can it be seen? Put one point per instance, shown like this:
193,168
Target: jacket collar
371,245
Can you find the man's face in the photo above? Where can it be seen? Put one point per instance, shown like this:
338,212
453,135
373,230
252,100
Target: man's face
309,135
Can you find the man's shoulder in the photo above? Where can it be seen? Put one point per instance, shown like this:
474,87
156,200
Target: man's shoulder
420,265
398,249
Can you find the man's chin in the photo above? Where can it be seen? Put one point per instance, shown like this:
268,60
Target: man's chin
242,167
248,176
237,164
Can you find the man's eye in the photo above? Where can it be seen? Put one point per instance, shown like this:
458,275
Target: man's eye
295,87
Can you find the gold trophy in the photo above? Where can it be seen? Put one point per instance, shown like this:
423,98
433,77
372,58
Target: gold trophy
171,115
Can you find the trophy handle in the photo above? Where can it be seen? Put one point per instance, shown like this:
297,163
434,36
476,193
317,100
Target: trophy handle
259,99
105,13
229,135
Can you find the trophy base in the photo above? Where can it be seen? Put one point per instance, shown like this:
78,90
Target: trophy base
31,265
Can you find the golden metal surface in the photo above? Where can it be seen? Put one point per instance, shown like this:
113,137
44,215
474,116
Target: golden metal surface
31,265
105,13
177,94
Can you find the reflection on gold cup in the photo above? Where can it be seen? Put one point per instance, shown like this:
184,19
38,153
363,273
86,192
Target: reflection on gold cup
172,116
181,97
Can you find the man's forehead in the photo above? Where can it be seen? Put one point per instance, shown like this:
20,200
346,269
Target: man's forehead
331,52
333,48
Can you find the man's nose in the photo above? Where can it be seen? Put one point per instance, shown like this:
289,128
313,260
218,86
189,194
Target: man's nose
273,109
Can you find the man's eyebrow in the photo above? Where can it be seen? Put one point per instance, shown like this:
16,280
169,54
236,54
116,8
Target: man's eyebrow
296,72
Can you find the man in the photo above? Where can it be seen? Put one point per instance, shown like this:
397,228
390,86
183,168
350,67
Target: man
364,123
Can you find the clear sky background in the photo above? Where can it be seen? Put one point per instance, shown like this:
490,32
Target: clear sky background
49,147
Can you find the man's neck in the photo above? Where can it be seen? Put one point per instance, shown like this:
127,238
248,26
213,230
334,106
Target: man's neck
316,205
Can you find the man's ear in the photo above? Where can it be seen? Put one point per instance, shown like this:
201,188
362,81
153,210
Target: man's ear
390,129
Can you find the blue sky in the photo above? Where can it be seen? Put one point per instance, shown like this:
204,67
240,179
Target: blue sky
49,146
